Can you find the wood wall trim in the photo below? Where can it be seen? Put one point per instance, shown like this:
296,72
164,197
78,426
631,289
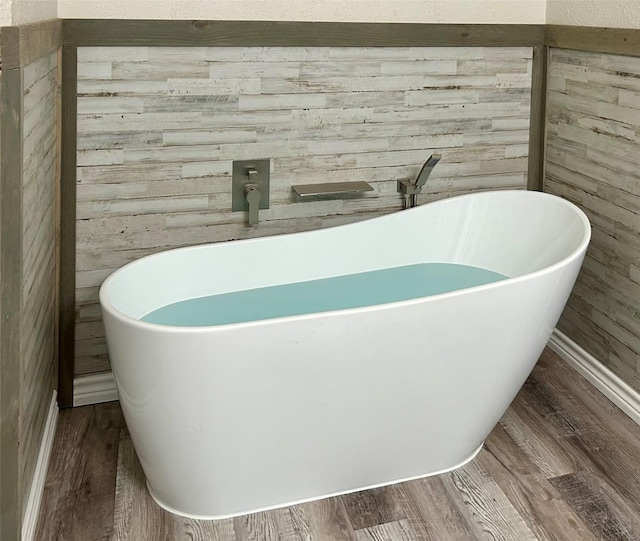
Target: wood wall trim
25,44
67,284
623,41
11,306
104,32
537,121
130,32
10,47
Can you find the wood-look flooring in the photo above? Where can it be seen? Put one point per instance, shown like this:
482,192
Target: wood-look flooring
563,464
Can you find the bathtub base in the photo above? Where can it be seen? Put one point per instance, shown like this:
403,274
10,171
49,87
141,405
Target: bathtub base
297,502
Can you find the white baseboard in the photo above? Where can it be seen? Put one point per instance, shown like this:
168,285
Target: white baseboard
94,389
30,518
615,389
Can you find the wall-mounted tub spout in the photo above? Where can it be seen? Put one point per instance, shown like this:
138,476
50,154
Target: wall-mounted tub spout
411,190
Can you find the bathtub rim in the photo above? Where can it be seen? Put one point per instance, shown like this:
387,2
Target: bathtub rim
106,304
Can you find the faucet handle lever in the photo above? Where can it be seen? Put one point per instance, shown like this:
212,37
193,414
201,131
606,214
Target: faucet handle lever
253,196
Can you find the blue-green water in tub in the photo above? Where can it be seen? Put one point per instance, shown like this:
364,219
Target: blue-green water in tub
328,294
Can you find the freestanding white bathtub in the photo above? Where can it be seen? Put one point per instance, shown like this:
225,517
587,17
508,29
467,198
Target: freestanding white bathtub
235,418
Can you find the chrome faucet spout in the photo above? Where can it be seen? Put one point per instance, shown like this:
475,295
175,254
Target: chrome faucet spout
426,170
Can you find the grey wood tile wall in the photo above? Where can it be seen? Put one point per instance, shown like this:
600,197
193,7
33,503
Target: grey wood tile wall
158,129
39,286
593,159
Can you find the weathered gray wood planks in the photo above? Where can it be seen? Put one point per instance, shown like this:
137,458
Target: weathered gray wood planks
593,123
158,129
39,242
11,287
29,236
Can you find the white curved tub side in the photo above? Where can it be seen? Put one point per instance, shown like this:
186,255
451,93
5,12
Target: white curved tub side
233,419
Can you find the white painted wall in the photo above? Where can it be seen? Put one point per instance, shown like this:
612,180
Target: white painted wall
611,13
30,11
402,11
5,12
15,12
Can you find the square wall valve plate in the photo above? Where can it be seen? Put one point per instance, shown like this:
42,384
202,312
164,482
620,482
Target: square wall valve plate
241,177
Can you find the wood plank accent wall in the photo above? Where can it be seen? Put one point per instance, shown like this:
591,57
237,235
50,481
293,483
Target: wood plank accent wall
39,287
29,180
158,128
10,299
593,159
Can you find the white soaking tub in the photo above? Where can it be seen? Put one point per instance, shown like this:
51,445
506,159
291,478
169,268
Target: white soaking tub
319,394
